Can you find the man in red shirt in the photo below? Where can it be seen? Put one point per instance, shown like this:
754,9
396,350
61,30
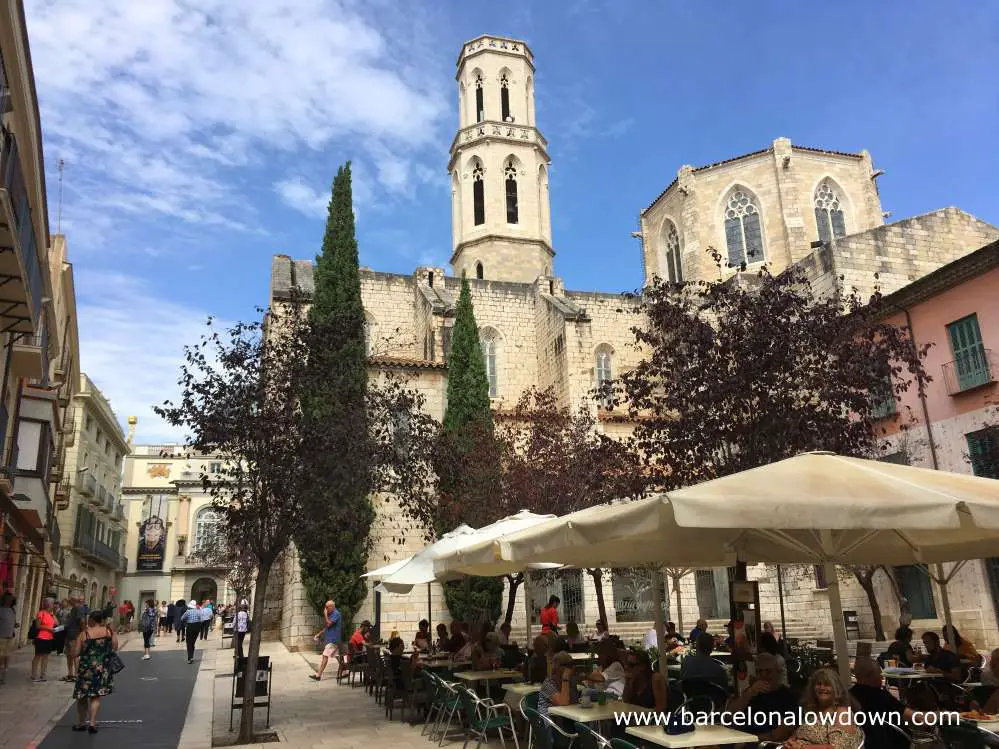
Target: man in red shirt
360,636
549,615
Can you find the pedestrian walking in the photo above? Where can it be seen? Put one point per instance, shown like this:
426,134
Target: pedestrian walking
61,615
178,612
171,616
163,617
211,615
206,618
45,626
76,622
8,628
95,644
148,625
333,630
241,625
192,623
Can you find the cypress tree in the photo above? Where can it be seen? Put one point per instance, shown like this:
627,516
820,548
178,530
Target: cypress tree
469,471
335,540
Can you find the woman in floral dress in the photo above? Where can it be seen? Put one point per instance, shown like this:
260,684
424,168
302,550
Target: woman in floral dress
825,694
94,679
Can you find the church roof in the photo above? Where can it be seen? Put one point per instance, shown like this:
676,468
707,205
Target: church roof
750,155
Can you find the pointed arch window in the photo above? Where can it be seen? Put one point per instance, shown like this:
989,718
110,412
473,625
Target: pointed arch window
829,212
505,98
479,194
743,232
671,244
510,172
480,108
489,349
604,372
479,270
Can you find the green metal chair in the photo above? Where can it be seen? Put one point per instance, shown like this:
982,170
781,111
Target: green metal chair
544,730
484,715
590,739
622,744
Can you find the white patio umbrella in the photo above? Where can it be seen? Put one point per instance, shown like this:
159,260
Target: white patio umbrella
388,569
815,508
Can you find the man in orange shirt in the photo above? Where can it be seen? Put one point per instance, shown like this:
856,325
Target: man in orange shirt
549,615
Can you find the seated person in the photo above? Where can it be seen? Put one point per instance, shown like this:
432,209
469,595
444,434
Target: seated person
987,695
767,695
610,671
828,712
602,631
940,661
901,649
873,698
964,648
443,643
360,637
485,653
559,688
768,644
701,665
727,642
396,647
642,685
422,639
650,640
504,634
702,626
572,636
536,667
671,633
458,639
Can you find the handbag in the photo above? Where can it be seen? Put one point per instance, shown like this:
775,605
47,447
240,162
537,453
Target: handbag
114,662
33,629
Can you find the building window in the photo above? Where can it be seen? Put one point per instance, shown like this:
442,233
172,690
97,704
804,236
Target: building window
971,363
89,423
479,271
480,109
511,192
604,372
206,530
478,194
743,235
489,340
829,212
215,468
445,342
883,403
505,98
983,450
671,241
820,577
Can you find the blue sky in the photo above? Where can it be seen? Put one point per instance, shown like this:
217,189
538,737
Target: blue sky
200,136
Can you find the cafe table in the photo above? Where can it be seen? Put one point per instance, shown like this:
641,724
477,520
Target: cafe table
700,736
488,676
596,713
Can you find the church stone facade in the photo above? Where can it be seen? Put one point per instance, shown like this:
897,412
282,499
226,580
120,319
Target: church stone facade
782,205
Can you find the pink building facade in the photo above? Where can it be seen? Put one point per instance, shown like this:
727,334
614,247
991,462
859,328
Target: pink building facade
955,425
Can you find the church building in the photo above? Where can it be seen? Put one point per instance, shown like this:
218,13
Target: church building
782,205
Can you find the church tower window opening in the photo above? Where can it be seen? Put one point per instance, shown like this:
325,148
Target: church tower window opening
505,98
430,279
480,107
671,241
489,346
604,371
479,194
479,270
829,212
743,234
512,214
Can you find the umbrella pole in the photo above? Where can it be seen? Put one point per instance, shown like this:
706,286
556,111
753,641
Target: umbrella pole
527,610
944,597
430,614
657,602
839,626
780,597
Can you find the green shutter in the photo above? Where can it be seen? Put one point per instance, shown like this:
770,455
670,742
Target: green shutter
983,449
969,355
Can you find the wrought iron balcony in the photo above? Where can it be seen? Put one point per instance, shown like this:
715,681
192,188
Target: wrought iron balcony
972,369
86,484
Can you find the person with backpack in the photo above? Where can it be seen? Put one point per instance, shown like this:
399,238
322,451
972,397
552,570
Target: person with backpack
148,622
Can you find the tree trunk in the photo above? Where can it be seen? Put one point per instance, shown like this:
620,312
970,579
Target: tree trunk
256,632
598,585
867,583
675,579
511,599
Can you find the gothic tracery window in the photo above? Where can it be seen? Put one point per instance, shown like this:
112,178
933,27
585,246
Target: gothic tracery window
480,109
489,346
829,212
603,370
505,98
743,233
510,172
479,194
671,242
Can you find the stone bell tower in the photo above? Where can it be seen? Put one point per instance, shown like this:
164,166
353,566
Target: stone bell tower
500,218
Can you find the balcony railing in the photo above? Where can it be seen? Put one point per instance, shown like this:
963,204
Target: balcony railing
12,179
973,368
55,537
5,104
123,564
86,543
86,484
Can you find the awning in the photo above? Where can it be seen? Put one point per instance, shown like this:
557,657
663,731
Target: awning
26,524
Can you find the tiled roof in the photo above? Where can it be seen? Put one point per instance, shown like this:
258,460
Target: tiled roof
405,363
750,155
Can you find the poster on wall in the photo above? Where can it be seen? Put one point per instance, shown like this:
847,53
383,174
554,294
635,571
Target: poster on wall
152,545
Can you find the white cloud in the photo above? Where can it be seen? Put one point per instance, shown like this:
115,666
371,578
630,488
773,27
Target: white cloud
154,104
132,346
302,197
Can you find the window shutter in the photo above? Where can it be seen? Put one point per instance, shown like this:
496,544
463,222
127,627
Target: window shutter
983,449
969,356
838,223
733,238
822,221
754,239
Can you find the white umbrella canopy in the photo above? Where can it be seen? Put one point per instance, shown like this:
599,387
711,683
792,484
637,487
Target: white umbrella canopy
420,569
388,569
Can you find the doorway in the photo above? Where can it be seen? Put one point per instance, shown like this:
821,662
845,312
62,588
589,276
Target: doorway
204,589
